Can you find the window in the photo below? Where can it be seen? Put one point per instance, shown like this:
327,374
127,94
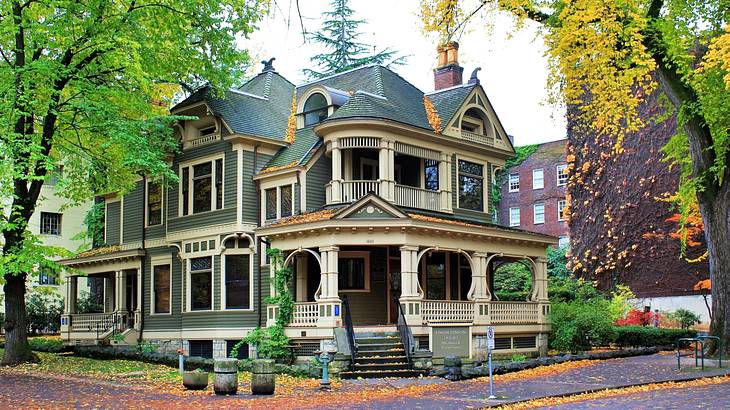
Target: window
203,190
45,278
562,174
354,271
205,131
201,283
538,182
561,208
154,204
238,282
538,213
285,198
514,217
315,109
50,223
431,170
563,241
161,288
436,276
471,186
201,348
242,350
271,203
514,182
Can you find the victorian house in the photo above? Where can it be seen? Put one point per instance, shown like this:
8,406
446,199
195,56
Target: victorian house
377,194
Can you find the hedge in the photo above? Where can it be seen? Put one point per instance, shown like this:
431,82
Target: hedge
645,336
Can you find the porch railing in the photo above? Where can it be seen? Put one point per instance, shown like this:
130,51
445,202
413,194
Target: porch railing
447,311
100,324
513,312
478,138
305,314
406,336
354,190
413,197
347,321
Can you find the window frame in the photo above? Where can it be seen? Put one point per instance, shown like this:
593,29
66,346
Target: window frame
189,284
519,216
356,255
233,252
561,217
214,189
167,260
148,183
509,182
558,173
278,197
483,177
541,179
534,213
325,108
41,223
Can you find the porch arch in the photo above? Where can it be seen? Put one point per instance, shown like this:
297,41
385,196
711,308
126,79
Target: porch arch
526,261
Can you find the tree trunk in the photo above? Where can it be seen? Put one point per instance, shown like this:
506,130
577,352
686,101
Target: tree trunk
16,342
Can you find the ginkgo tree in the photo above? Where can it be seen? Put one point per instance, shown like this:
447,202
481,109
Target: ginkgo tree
84,86
605,57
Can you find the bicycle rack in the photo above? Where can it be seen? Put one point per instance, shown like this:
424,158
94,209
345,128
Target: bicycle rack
719,347
699,342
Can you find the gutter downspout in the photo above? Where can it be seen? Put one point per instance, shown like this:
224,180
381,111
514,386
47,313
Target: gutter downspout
258,240
140,302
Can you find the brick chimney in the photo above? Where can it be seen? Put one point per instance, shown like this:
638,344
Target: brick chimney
448,72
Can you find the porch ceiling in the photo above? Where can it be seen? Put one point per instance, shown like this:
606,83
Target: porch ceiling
96,261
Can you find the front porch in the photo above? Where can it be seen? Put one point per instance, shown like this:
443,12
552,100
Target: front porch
119,278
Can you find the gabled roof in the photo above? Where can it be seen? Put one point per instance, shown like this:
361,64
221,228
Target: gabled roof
448,101
298,153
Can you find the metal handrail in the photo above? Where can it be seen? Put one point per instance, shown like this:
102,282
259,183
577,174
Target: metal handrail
406,336
347,319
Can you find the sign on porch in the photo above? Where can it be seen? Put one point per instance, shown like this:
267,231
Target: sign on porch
450,341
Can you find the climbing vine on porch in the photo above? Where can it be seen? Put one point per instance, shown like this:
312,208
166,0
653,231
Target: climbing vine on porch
271,342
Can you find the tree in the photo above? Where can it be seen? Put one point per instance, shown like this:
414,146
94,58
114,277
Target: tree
85,85
606,57
339,36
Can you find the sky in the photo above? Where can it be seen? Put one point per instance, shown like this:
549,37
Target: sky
514,69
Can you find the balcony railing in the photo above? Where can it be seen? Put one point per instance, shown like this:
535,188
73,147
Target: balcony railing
354,190
447,311
478,138
514,312
413,197
305,314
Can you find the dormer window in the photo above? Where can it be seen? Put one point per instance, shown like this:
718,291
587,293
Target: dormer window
315,109
202,132
474,121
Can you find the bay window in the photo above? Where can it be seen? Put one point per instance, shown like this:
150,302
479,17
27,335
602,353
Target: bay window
201,187
471,186
279,202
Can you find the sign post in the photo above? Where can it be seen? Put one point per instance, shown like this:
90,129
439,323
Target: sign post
490,347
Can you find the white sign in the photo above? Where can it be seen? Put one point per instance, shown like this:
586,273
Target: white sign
490,338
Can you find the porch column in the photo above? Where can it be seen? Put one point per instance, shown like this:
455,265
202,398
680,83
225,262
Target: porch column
137,310
301,278
71,294
336,183
539,281
329,291
109,292
386,163
121,291
479,282
409,273
445,182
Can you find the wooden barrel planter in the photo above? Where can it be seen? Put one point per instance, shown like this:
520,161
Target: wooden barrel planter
226,376
195,380
263,379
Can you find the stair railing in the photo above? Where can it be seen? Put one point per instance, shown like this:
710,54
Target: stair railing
406,336
347,320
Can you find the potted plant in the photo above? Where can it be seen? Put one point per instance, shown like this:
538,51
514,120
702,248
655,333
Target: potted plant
195,380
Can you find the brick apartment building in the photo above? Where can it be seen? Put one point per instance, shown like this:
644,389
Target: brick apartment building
533,194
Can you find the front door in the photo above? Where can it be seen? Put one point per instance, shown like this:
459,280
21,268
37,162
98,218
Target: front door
131,302
394,288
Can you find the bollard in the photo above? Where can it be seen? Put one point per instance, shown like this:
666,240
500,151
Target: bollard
181,361
324,358
263,379
226,376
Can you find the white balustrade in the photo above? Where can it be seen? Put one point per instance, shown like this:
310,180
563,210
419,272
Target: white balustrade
202,140
354,190
478,138
306,314
413,197
513,312
447,311
359,142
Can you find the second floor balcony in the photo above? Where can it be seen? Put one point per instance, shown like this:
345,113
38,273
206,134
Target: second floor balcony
407,175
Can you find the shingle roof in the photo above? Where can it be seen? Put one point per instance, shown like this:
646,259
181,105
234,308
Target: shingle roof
449,100
298,153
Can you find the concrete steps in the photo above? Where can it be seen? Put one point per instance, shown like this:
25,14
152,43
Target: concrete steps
380,355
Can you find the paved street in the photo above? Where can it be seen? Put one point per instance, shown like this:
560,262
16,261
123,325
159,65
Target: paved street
38,390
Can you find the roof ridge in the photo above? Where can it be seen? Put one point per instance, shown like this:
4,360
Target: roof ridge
449,88
247,94
267,84
402,78
328,77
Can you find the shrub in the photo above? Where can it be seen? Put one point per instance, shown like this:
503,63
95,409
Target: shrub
567,289
46,344
87,303
644,336
512,282
636,317
685,318
578,325
619,305
43,309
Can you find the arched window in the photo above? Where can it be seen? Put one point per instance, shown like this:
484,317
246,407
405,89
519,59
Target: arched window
315,109
474,120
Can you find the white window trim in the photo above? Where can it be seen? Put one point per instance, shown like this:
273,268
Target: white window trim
60,224
189,287
542,178
557,174
534,213
560,213
159,261
485,190
519,217
147,204
357,254
509,182
191,164
278,202
236,251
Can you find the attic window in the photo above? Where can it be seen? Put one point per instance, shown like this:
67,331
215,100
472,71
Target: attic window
315,109
473,121
207,131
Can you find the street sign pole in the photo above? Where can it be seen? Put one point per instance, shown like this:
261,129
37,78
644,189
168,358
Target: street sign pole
490,347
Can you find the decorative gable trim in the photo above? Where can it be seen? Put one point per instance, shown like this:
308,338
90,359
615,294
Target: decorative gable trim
371,204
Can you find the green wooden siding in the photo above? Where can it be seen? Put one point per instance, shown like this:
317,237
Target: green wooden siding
134,213
318,176
113,219
250,197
